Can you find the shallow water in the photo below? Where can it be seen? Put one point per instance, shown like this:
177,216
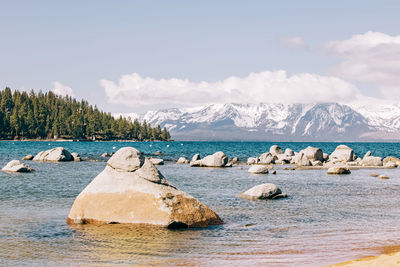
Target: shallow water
325,219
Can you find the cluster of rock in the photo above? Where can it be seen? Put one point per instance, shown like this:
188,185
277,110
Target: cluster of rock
131,190
314,156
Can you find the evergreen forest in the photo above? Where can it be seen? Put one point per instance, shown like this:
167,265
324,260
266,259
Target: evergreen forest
46,115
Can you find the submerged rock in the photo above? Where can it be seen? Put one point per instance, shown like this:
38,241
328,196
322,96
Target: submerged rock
262,191
28,157
132,190
17,166
383,177
258,169
54,154
338,170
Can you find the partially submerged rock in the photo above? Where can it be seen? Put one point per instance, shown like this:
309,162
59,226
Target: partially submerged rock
258,169
313,154
54,154
218,159
76,156
383,177
28,157
372,161
157,161
266,158
252,160
262,191
131,190
107,155
338,170
182,160
158,153
391,161
17,166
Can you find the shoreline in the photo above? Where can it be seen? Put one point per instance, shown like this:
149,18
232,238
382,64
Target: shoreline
388,256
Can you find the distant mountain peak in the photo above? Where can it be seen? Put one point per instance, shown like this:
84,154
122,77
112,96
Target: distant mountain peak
279,122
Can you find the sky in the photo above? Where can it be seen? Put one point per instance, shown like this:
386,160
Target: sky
134,56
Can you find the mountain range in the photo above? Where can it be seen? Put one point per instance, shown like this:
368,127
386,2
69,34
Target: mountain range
279,122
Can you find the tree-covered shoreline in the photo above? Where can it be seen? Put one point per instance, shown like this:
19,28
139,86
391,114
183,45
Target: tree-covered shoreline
41,116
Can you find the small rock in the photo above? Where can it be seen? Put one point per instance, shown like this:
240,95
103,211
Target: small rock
158,153
390,164
338,170
258,169
317,163
76,156
182,160
262,191
251,161
196,157
273,172
157,161
17,166
374,175
384,177
107,155
28,157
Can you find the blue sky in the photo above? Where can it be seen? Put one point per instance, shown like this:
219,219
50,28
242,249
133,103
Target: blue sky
78,44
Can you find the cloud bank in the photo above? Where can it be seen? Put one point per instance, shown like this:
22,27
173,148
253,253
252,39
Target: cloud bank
268,86
62,90
372,58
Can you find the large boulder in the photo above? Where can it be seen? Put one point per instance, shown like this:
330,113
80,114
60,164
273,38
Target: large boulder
54,154
131,190
301,159
218,159
258,169
275,150
338,170
266,158
313,154
372,161
17,166
262,191
343,153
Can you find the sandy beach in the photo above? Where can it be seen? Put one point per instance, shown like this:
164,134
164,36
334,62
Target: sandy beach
390,257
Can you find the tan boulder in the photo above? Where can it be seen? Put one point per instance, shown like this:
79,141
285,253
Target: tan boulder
54,154
182,160
313,154
218,159
343,153
139,196
394,160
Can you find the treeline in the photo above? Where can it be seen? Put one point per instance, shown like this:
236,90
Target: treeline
46,115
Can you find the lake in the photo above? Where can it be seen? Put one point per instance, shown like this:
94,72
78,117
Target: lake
325,219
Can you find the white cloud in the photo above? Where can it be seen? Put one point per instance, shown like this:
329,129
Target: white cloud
61,89
294,42
372,58
268,86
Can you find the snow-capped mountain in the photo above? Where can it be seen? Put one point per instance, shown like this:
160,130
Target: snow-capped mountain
279,122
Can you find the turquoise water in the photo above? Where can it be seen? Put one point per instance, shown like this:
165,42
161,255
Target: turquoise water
325,219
